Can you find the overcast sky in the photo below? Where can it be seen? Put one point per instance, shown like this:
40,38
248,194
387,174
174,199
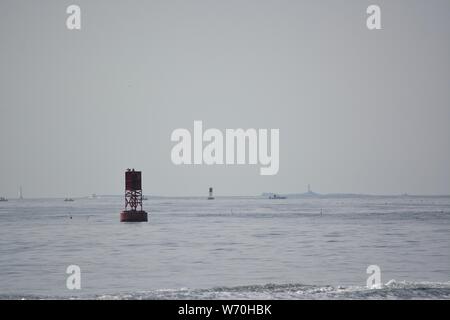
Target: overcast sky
358,111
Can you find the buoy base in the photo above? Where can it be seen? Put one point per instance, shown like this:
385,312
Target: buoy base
210,198
133,216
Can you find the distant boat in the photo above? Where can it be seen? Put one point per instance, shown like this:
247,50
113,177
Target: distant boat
276,196
144,198
68,199
3,199
93,196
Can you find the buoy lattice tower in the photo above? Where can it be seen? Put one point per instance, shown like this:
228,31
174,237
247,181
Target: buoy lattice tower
133,198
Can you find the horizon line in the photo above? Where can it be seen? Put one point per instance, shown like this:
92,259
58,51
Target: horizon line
261,195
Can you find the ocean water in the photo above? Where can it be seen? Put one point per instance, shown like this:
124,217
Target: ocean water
228,248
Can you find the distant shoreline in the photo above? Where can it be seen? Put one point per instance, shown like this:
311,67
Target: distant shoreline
261,196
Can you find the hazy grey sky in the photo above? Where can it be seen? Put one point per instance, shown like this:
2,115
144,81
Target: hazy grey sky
358,110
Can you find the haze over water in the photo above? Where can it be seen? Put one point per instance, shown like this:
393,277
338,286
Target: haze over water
227,248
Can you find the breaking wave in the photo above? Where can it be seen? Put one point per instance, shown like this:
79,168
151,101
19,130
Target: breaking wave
392,290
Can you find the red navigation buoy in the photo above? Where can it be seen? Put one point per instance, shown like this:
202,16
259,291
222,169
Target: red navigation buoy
133,198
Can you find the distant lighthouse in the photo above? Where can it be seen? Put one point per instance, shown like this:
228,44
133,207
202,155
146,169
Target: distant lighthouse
210,197
20,193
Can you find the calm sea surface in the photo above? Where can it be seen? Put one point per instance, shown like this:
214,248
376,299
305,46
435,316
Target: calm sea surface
227,248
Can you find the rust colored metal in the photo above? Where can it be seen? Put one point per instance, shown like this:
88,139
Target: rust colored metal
133,216
133,180
133,198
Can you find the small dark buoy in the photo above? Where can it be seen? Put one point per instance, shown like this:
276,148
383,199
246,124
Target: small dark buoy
210,197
